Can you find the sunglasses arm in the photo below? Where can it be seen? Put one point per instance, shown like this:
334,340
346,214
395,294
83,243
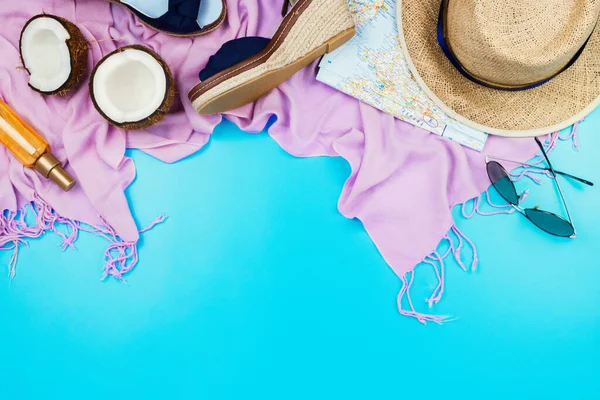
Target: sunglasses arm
584,181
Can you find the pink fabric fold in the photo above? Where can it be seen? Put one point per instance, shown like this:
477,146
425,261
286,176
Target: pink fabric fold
403,184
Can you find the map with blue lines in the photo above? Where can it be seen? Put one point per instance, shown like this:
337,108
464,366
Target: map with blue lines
372,68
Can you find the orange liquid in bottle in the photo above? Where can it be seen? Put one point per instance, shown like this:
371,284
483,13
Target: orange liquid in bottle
20,138
30,148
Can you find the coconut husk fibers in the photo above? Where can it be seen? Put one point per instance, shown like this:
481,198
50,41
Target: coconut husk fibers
160,113
78,49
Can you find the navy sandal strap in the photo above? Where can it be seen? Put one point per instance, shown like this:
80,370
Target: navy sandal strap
232,53
182,17
286,6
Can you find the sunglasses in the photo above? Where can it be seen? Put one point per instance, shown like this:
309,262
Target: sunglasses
546,221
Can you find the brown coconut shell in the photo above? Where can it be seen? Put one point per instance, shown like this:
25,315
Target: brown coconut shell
78,49
165,106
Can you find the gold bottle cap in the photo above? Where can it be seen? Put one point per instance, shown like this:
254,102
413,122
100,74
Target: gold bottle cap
50,168
62,178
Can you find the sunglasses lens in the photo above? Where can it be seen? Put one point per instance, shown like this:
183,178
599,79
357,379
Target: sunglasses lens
502,182
553,224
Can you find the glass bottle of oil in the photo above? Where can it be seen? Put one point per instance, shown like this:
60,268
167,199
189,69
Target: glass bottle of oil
30,148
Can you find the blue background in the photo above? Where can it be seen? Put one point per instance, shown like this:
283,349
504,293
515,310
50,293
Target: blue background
256,287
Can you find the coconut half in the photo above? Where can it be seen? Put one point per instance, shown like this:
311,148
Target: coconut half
132,88
54,53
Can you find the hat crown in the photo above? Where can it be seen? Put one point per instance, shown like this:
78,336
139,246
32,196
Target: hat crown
518,42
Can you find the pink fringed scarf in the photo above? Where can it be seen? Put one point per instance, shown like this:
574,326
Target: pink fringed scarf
398,171
455,241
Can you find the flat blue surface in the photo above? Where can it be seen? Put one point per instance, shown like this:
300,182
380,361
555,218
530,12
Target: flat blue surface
257,287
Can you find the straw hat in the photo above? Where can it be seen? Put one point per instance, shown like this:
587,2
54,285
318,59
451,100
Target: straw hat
509,67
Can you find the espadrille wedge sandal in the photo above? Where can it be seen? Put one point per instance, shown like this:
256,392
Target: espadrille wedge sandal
245,69
178,17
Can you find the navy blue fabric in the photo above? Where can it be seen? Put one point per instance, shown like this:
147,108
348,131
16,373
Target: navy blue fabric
456,63
181,19
233,52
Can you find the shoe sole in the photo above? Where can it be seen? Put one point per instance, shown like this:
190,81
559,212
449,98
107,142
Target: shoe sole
204,31
251,79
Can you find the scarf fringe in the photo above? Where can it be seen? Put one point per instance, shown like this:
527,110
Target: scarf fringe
120,257
457,241
458,245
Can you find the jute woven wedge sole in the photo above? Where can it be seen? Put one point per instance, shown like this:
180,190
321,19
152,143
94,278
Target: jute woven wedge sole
313,28
203,31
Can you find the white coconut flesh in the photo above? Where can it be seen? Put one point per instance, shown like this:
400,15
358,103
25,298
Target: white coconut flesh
46,54
208,13
129,86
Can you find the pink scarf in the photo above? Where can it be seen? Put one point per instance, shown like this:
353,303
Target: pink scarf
403,185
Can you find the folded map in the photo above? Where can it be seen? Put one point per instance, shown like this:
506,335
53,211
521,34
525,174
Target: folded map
372,68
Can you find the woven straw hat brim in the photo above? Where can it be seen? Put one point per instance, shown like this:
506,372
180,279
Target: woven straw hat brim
560,103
